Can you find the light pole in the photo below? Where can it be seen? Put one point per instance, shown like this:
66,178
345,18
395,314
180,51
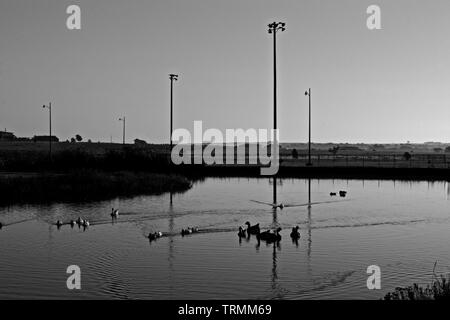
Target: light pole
172,77
49,107
308,93
273,29
123,137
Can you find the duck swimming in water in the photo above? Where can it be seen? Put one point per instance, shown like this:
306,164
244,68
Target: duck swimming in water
72,223
189,230
114,213
155,235
86,223
295,234
241,232
59,223
252,229
269,236
343,193
333,194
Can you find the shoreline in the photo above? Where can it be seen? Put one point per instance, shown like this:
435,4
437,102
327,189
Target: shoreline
366,173
85,186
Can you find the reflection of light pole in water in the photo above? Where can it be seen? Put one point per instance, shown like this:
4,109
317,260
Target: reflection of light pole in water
171,234
308,252
274,190
309,193
274,267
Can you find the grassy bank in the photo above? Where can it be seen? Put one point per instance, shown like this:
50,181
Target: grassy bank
438,290
85,185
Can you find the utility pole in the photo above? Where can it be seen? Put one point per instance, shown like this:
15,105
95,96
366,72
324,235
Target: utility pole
308,93
273,29
172,77
49,107
123,133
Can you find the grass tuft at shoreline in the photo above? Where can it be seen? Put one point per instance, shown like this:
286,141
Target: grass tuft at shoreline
438,290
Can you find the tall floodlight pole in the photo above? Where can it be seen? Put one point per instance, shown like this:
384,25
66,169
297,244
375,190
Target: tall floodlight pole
172,77
49,107
308,93
123,133
273,29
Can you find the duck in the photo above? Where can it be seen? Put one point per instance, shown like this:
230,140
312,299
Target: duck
295,234
79,221
72,223
114,213
333,194
1,225
269,236
343,193
59,223
189,230
241,232
155,235
252,229
86,223
185,232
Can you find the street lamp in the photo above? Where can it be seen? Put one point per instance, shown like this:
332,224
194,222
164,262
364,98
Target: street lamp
123,137
49,107
273,29
172,77
308,93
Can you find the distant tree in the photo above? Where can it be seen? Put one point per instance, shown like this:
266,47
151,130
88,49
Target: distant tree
78,138
438,150
447,150
407,156
295,154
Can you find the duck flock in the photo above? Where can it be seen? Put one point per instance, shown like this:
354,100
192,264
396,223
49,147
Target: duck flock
270,236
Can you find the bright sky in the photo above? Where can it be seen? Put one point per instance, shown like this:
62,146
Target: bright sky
389,85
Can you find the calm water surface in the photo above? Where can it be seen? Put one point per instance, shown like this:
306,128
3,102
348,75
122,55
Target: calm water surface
403,227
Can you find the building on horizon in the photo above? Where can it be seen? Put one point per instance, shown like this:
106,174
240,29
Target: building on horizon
45,139
7,136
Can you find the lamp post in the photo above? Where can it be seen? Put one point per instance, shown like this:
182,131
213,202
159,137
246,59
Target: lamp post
49,107
123,133
172,77
308,93
274,27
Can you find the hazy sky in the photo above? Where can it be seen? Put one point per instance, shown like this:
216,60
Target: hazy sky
389,85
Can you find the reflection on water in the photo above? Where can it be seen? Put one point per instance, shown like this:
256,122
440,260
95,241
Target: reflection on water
400,226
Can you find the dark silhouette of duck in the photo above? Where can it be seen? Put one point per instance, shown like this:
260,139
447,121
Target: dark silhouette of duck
190,230
333,194
241,232
252,229
295,234
72,223
114,213
155,235
1,226
343,194
270,236
59,223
